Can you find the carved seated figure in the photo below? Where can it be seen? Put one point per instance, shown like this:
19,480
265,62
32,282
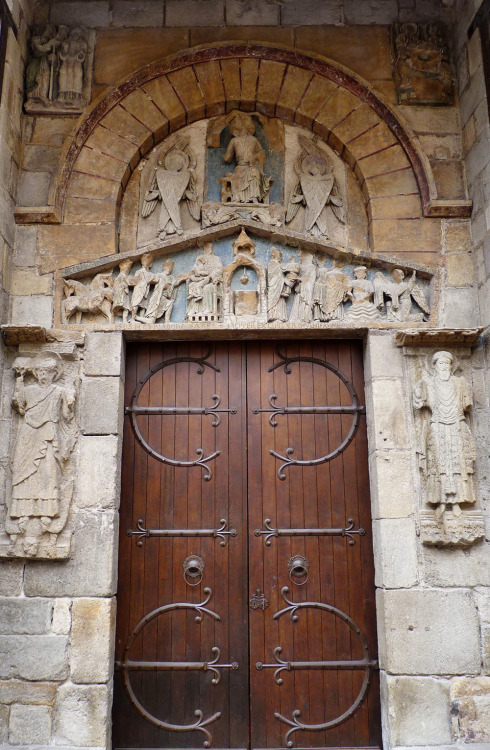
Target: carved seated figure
204,287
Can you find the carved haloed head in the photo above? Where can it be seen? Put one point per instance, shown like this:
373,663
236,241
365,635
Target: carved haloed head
398,275
176,161
442,363
47,368
360,272
147,260
242,124
316,165
276,254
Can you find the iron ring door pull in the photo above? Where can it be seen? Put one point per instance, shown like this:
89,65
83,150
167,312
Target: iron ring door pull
193,567
298,566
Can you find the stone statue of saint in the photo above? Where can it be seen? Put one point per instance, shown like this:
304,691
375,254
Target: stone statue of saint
45,440
447,448
247,183
302,310
361,293
120,290
41,68
281,280
174,181
162,297
141,282
205,282
72,54
330,291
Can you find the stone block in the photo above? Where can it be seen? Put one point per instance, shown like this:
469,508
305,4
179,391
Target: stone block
137,13
140,105
418,239
104,354
25,246
97,164
251,13
61,622
383,12
483,603
40,158
63,245
11,575
457,237
395,552
25,616
377,138
396,207
194,12
121,122
485,648
87,210
470,709
33,189
419,710
30,725
460,270
20,691
428,632
33,657
91,570
98,484
104,140
387,426
51,131
186,87
101,406
87,186
311,12
459,309
4,724
91,640
433,119
275,34
393,183
457,567
295,83
83,715
32,310
471,97
77,13
383,359
26,282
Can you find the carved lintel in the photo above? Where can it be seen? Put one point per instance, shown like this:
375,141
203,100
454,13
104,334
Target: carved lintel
15,335
437,336
452,531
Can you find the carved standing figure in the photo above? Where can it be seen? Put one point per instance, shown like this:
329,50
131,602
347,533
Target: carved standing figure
315,189
247,183
41,69
141,281
447,450
205,285
45,440
361,293
121,304
400,293
174,181
72,54
162,297
281,280
302,310
330,291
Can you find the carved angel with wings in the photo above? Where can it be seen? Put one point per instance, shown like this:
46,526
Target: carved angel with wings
174,180
400,293
315,189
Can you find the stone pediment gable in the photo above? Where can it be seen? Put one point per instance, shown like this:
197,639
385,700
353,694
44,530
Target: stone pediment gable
243,275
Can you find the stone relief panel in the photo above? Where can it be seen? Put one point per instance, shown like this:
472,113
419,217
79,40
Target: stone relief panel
442,402
422,65
59,69
242,167
242,280
37,512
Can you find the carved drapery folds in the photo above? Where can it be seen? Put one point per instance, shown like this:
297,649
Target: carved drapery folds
59,70
446,450
38,503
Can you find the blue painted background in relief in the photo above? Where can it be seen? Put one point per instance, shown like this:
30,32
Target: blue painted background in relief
217,168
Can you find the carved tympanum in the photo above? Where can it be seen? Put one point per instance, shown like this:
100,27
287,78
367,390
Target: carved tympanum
422,66
447,452
58,73
42,482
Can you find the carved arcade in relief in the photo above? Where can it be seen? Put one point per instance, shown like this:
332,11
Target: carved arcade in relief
42,476
446,450
59,71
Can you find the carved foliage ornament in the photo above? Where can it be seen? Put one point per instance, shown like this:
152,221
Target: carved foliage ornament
446,449
42,476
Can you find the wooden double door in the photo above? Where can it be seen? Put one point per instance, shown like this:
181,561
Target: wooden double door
246,614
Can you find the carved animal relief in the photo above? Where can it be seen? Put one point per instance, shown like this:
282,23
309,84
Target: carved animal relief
42,475
446,450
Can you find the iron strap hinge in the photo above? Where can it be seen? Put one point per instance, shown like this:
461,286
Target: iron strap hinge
221,533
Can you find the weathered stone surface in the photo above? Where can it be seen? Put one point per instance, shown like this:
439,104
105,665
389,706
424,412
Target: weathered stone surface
11,574
139,13
457,237
20,691
33,189
103,354
25,616
29,725
4,724
432,119
207,34
387,426
27,282
194,12
83,715
420,710
91,570
91,640
33,309
25,246
66,244
33,657
311,12
99,474
74,13
428,632
101,406
383,359
457,567
460,270
459,308
395,551
61,621
470,709
246,13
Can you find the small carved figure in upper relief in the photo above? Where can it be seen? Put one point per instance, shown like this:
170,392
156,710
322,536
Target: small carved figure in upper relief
45,440
72,54
174,181
205,286
447,448
41,68
141,282
422,65
330,291
316,189
162,297
247,183
121,304
361,292
281,280
94,298
302,310
400,293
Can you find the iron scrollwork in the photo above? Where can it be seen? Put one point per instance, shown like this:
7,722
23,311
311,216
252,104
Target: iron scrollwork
134,410
354,408
346,531
126,665
221,533
367,664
